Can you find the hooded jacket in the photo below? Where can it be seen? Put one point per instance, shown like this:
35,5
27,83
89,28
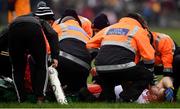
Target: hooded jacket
125,41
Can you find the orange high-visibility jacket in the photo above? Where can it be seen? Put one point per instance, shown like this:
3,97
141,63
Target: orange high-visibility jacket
164,50
86,25
127,33
21,7
70,29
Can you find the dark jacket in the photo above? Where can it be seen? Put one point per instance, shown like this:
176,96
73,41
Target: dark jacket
50,34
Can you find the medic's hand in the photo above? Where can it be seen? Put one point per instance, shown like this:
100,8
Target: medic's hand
154,80
168,73
54,63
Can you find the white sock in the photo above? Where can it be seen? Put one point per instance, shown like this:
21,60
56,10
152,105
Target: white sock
117,90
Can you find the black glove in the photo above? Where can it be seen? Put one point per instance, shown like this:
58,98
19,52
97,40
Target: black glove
168,72
149,66
93,52
154,80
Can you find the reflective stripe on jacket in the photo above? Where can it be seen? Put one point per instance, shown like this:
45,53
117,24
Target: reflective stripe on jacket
126,33
74,50
164,50
71,29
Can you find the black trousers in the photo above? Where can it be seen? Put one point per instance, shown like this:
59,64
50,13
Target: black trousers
138,75
6,67
176,71
72,75
27,36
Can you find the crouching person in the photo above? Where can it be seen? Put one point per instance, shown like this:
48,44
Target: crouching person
74,58
119,45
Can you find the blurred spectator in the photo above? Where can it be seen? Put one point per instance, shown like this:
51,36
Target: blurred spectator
0,5
157,12
168,6
87,12
17,8
111,16
147,11
3,13
178,4
156,8
0,8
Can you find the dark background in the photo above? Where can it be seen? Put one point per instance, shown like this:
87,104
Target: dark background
158,13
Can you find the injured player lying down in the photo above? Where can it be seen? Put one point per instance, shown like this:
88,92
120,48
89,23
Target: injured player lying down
162,91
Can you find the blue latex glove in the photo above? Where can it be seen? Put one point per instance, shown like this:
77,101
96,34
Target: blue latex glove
169,96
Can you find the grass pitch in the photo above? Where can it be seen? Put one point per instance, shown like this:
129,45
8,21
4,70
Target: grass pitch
91,105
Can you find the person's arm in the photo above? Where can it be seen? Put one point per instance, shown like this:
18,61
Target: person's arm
146,51
165,82
166,49
52,38
95,42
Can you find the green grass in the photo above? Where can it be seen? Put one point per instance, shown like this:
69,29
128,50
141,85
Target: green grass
174,33
91,105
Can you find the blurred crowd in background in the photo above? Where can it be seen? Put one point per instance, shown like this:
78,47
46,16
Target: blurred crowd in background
158,13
